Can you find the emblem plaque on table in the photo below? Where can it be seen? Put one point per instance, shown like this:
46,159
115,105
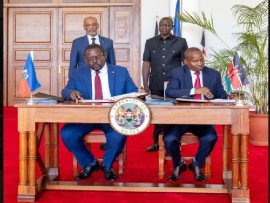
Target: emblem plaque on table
129,116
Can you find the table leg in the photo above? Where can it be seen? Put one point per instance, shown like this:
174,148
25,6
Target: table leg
226,153
47,145
51,136
55,145
23,161
27,188
235,161
244,161
161,157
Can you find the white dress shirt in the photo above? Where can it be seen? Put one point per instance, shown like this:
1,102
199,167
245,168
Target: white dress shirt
104,82
96,39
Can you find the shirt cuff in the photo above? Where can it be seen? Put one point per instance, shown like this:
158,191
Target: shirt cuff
192,91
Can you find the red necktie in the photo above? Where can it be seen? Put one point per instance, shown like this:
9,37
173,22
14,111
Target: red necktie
98,87
197,85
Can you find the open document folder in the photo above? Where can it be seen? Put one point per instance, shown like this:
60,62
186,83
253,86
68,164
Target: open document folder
113,99
205,100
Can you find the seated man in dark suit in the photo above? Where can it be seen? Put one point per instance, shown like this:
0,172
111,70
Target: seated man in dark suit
77,60
192,81
113,80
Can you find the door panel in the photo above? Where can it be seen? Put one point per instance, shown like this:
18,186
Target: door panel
71,22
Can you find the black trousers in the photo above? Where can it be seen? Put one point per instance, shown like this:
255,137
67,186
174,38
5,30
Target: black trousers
158,128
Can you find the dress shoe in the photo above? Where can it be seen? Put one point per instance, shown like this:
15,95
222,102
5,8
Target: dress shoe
177,171
108,173
87,171
102,146
198,175
153,148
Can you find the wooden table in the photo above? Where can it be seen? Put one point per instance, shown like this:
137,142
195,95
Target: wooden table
235,148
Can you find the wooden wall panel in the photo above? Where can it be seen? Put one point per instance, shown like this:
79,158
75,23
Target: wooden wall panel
123,54
71,21
29,1
32,29
122,22
44,75
40,55
122,31
121,1
85,1
38,24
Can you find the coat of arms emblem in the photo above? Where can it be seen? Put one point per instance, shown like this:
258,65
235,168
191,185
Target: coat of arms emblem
129,116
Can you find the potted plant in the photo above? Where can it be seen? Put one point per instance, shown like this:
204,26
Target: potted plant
252,44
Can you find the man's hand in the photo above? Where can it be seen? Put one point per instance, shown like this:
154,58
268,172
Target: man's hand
147,90
74,95
141,90
205,91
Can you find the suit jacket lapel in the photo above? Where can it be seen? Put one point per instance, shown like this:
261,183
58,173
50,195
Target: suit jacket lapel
206,78
102,42
111,77
85,41
188,78
88,82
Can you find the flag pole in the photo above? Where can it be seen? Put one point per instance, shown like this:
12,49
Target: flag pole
239,101
31,100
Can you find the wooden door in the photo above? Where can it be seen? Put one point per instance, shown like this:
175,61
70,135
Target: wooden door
32,29
48,29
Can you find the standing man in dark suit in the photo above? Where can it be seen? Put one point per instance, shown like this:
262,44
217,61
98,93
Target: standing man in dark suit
192,81
161,54
91,27
114,80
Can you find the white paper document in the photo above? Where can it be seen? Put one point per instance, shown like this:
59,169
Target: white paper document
223,100
191,100
132,94
112,99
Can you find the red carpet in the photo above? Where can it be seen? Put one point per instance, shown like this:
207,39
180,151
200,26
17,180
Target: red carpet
141,167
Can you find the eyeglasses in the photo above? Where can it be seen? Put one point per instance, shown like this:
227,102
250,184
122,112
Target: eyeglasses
95,58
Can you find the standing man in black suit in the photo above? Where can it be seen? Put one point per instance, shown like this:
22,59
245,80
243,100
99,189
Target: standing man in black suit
162,53
192,81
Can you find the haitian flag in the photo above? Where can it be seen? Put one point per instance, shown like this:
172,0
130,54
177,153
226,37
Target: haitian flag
236,73
28,82
176,26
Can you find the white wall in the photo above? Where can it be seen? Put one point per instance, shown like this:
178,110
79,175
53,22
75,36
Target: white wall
224,21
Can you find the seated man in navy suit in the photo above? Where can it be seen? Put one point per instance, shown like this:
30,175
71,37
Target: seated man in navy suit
114,80
192,81
91,27
77,60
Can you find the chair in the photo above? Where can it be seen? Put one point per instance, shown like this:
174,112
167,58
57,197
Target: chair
187,138
98,136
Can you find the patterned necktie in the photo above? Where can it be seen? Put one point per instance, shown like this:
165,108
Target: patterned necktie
98,87
197,85
93,40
